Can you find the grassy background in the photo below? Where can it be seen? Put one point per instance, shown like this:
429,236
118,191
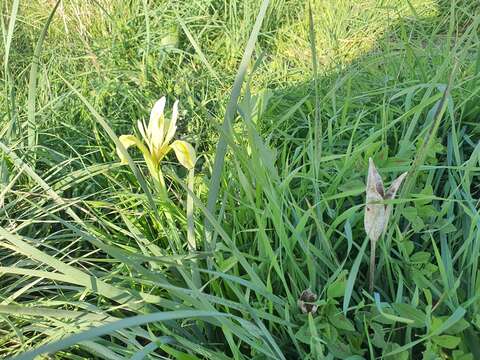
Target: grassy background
84,252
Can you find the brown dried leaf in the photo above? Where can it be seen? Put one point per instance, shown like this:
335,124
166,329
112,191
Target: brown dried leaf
392,190
374,180
374,220
390,195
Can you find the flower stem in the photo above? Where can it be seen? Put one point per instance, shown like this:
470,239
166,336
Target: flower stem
192,246
372,266
165,200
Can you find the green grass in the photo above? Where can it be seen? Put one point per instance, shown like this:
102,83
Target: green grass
95,264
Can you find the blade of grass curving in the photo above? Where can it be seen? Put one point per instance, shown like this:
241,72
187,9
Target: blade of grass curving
116,326
74,275
55,313
32,84
221,149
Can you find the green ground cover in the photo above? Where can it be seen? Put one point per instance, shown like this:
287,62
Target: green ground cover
100,260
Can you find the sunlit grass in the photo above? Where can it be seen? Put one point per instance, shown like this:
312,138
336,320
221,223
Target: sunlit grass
95,262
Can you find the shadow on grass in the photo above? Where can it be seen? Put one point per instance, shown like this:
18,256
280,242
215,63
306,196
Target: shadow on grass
321,191
382,105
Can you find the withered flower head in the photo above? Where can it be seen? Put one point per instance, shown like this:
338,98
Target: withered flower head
307,297
376,212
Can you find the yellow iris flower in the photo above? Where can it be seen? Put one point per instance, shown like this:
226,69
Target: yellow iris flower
157,137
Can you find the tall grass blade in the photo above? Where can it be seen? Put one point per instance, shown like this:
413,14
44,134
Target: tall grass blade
199,51
9,35
214,186
32,84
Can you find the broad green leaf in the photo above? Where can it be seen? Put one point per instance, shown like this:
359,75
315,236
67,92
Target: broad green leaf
388,316
420,257
410,312
446,341
340,321
337,288
458,314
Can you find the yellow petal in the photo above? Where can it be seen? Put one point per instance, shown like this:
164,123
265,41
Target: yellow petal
128,141
155,132
185,153
164,150
171,126
157,112
143,129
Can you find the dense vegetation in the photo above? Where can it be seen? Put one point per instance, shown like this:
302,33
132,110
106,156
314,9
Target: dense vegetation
102,260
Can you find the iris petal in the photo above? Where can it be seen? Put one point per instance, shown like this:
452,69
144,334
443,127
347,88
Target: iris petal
185,153
128,141
156,127
156,113
172,125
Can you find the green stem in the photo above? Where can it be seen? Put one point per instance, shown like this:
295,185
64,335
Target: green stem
165,200
192,244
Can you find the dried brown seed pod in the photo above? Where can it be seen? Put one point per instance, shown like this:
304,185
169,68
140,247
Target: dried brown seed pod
306,300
